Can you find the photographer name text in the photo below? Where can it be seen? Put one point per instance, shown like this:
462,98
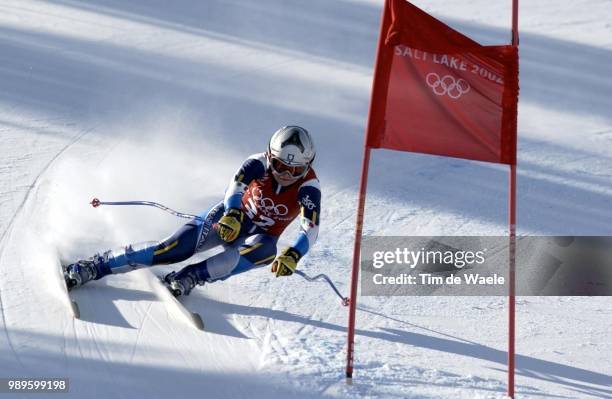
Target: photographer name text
430,279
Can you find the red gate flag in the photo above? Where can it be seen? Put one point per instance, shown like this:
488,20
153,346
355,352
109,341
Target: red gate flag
439,92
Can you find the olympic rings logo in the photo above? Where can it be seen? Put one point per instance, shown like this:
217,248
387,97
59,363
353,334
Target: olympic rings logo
447,85
267,205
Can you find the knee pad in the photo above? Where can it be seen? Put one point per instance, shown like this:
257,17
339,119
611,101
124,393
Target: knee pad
222,265
259,249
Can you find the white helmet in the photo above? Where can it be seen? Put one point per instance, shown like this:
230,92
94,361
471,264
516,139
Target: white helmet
290,151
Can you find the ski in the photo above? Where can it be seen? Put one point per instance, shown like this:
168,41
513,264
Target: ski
74,306
164,294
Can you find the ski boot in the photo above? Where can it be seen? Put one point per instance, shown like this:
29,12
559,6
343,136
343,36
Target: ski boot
84,271
179,285
184,281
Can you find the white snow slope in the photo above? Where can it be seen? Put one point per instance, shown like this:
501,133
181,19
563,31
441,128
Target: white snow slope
148,99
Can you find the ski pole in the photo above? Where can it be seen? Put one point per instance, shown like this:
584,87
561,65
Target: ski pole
96,203
345,300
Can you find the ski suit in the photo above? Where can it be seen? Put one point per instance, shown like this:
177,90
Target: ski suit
268,207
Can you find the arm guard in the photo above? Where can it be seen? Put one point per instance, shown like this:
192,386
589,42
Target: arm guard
309,196
253,168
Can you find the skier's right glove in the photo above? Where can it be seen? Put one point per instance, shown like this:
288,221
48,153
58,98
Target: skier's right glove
229,224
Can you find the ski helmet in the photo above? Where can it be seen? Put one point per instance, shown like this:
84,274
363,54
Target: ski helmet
290,151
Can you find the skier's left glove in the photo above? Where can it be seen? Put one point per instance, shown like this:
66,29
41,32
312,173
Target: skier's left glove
286,263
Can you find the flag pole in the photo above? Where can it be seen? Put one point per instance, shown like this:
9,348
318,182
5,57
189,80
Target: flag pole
363,184
512,282
512,242
355,272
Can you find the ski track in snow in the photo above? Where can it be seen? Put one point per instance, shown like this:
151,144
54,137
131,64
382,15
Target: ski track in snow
16,213
133,100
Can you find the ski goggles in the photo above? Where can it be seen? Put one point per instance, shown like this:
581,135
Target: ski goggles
280,167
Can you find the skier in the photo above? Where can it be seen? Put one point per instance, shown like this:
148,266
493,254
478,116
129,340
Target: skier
268,192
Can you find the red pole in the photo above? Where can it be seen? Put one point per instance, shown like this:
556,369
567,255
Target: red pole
515,35
511,282
512,238
377,85
363,183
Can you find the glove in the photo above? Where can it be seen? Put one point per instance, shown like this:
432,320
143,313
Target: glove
228,226
286,263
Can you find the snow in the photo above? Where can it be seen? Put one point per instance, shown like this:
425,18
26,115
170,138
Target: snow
162,100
